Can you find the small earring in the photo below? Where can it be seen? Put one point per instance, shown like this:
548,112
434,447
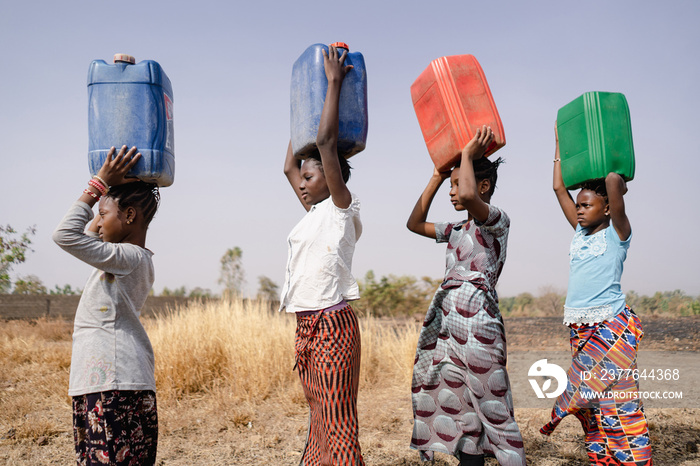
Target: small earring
128,222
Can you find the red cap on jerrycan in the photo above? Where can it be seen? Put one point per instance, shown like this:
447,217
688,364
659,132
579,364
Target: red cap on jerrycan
452,100
341,45
124,58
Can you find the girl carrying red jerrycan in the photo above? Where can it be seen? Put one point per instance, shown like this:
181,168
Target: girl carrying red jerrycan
462,402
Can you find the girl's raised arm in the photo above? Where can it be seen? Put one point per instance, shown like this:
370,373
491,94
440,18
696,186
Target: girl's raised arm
468,189
292,170
616,188
113,171
566,202
417,220
327,138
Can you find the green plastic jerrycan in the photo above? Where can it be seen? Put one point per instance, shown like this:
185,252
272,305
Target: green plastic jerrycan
595,138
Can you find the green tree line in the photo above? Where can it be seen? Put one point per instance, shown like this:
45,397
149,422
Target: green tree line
389,295
407,296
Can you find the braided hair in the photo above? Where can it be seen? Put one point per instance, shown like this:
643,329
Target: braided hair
144,197
485,169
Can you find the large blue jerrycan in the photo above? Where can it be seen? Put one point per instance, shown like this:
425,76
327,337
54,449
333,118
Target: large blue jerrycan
308,93
132,104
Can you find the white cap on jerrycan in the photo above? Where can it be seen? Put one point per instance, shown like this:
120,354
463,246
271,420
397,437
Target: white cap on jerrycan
124,58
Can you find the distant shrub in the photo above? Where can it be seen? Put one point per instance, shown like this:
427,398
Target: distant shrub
675,303
395,295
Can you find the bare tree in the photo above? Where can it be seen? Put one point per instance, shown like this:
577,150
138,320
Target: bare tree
551,301
232,273
267,289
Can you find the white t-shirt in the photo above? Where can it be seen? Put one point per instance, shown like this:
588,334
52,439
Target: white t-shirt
319,260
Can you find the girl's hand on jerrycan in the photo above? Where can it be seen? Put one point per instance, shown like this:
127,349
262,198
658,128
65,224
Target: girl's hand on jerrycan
476,147
333,65
115,169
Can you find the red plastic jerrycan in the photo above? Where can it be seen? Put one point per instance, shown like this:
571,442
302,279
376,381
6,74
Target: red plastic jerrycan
452,99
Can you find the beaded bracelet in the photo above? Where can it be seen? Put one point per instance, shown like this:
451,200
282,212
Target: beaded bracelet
98,186
104,183
557,160
95,196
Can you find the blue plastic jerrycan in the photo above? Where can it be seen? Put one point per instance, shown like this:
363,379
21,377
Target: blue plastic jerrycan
308,93
132,104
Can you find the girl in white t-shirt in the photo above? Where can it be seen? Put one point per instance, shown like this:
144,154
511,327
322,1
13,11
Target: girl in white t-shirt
319,284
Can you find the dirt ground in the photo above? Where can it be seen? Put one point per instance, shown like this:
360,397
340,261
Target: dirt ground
202,431
660,333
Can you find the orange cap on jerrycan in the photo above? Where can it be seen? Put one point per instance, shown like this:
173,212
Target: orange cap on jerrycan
452,99
124,58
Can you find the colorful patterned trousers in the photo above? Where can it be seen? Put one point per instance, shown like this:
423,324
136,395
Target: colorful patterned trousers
614,424
327,346
116,428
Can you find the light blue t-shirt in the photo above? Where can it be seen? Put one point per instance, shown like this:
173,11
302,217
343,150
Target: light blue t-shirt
595,269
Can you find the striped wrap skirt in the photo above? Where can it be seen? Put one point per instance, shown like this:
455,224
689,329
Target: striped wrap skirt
327,347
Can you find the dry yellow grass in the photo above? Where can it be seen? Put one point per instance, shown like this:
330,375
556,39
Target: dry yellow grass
34,364
234,345
227,394
248,350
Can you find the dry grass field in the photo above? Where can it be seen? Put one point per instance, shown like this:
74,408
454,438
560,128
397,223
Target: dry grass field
227,394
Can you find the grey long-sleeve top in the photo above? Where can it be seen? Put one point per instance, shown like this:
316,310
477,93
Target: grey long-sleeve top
111,350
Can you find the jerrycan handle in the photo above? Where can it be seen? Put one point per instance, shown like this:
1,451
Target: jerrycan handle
341,45
124,58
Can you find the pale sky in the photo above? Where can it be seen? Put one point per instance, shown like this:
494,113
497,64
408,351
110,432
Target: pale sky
230,65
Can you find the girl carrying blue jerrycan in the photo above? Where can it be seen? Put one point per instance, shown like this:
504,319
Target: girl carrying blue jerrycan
131,104
308,92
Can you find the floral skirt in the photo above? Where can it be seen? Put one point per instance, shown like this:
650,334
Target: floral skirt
117,427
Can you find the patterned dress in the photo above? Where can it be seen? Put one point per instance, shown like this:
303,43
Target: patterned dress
461,392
